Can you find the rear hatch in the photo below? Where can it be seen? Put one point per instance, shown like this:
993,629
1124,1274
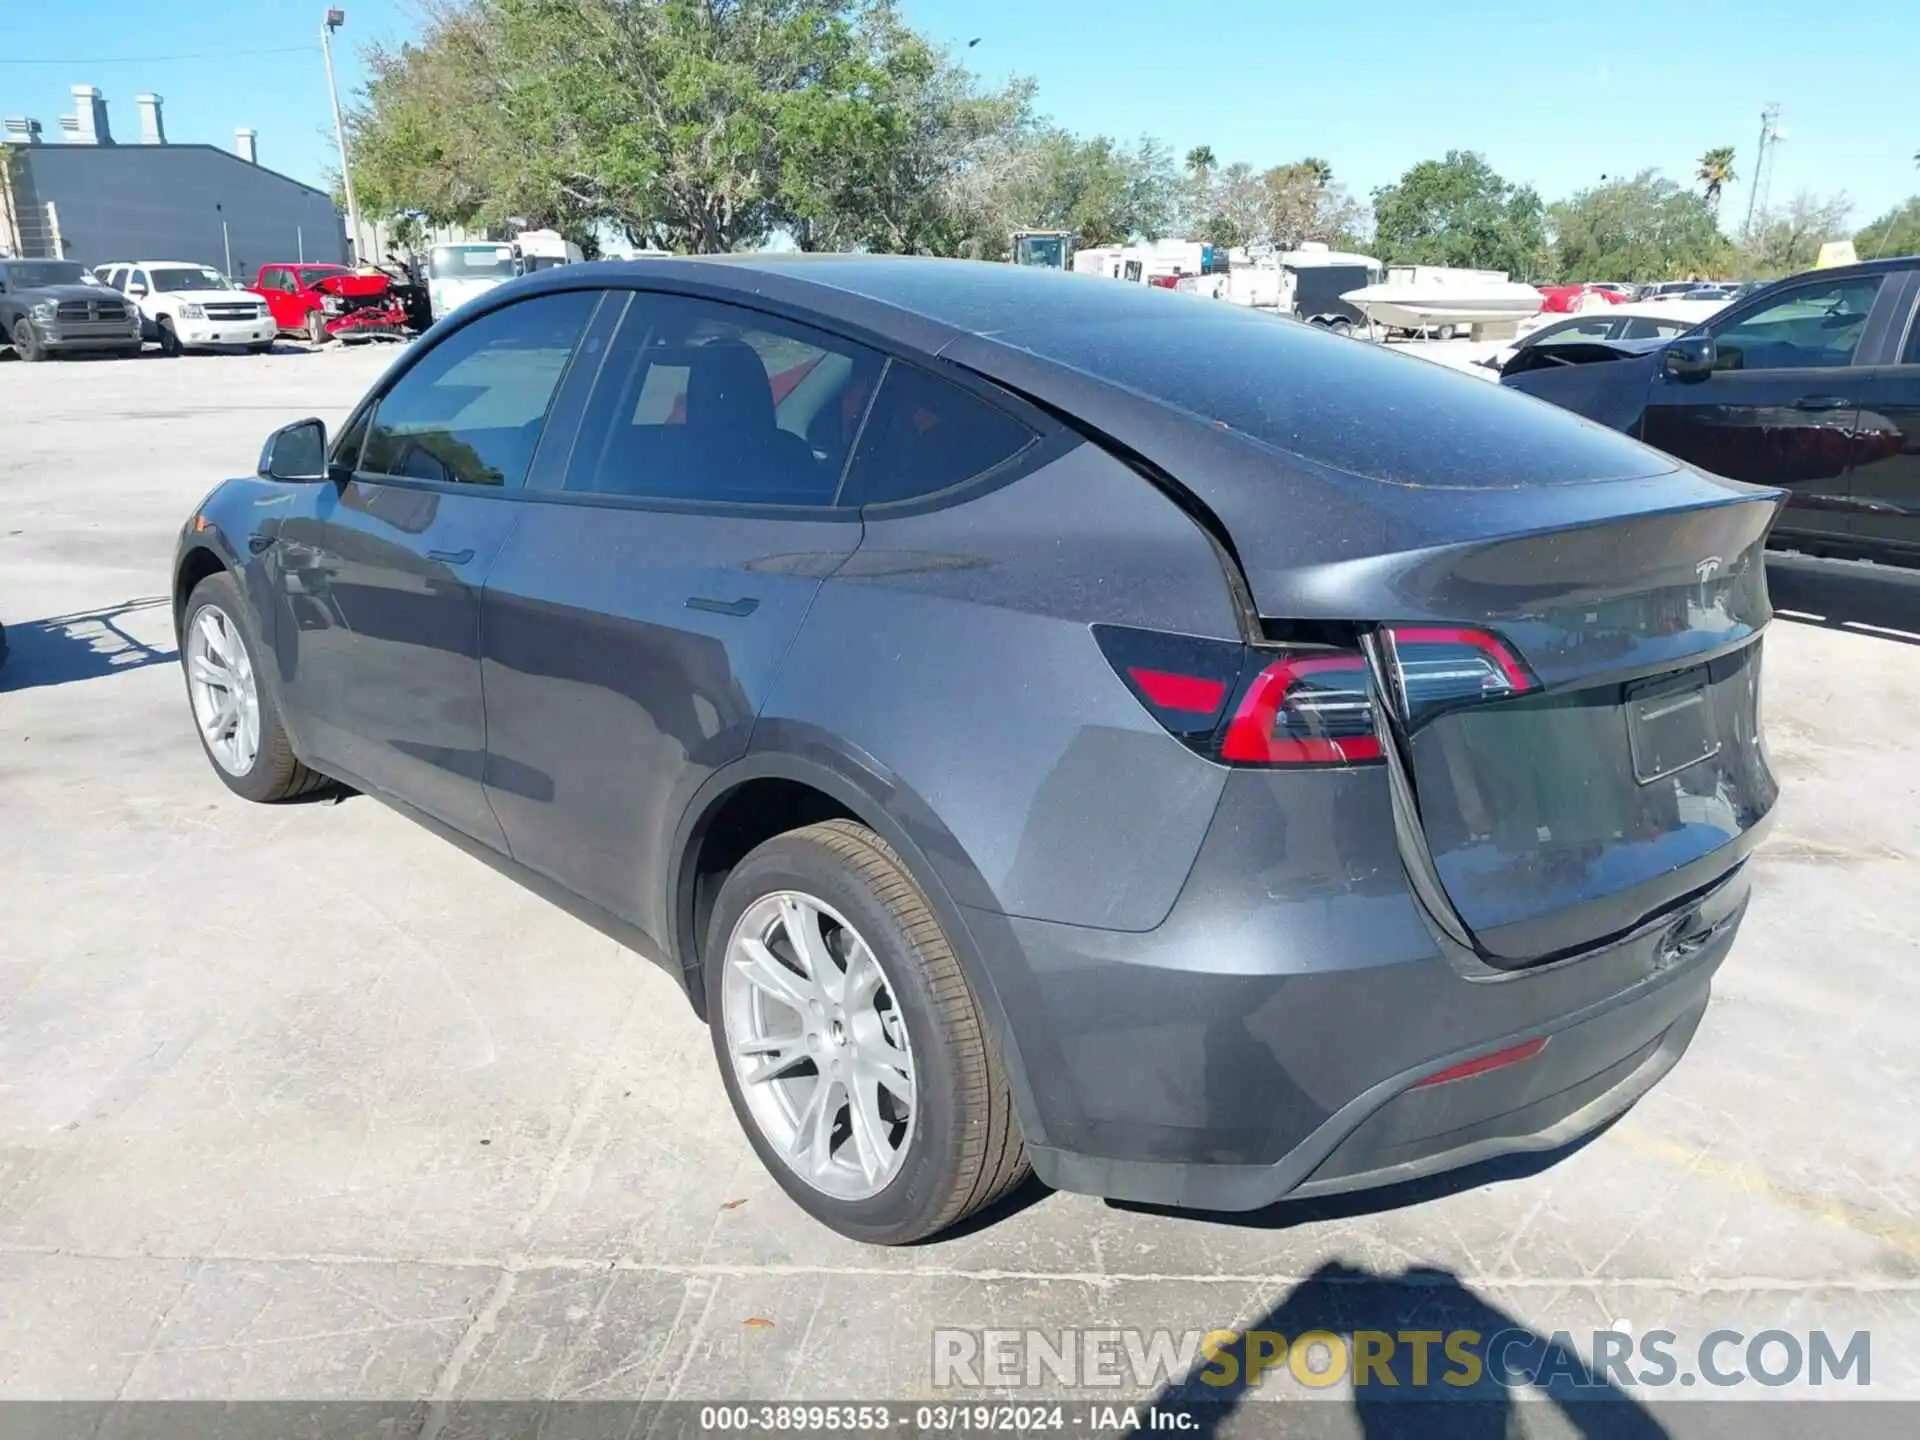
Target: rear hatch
1581,763
1549,634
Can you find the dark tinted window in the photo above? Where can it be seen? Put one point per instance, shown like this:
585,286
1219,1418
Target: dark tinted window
925,435
1813,325
470,410
1912,357
703,401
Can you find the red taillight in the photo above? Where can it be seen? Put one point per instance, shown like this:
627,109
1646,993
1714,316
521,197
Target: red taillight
1179,692
1481,1064
1441,666
1305,710
1258,706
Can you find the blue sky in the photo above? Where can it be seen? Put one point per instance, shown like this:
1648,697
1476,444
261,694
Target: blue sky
1557,94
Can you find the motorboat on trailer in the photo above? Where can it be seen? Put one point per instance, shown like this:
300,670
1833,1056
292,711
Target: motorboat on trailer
1437,300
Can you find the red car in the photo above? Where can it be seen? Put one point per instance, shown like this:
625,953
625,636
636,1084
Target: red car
1570,299
323,302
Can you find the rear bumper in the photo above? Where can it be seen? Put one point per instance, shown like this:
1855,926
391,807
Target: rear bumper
1268,1039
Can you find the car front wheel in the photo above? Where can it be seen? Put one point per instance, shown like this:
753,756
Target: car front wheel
850,1042
26,341
316,328
169,338
233,708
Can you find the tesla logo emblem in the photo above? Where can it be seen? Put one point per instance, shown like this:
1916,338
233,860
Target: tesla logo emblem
1706,568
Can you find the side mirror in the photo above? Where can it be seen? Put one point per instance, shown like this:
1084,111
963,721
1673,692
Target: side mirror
295,452
1690,358
136,290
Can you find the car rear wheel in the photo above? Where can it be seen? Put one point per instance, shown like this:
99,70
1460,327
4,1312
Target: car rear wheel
1340,327
26,341
169,338
316,328
850,1043
233,707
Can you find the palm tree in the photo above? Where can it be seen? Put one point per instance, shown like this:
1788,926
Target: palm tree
1716,172
1200,161
1321,171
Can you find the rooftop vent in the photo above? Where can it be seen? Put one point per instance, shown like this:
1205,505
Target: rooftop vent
22,130
88,123
153,130
243,145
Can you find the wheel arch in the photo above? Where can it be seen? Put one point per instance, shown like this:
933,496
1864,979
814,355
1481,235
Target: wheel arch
853,788
195,564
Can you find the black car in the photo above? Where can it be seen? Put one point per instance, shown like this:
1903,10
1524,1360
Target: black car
1038,721
52,307
1811,384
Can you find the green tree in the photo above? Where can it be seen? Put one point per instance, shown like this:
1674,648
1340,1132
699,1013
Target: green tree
1200,162
698,125
1458,211
1715,174
1645,228
1895,233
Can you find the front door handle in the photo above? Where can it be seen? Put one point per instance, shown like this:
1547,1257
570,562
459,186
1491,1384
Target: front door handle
450,557
744,606
1822,402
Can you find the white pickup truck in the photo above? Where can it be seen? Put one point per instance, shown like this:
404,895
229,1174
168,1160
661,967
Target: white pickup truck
191,307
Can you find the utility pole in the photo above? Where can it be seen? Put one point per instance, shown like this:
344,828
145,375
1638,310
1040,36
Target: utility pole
334,20
1769,134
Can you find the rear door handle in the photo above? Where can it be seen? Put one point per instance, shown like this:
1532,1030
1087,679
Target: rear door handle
744,606
450,557
1822,402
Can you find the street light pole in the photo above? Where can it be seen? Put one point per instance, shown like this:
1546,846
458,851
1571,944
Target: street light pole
334,20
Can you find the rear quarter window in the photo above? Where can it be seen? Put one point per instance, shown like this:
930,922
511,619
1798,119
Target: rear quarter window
926,435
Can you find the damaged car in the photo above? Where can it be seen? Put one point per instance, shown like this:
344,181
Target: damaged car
329,302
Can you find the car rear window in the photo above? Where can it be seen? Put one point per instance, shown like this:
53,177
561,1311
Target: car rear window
926,435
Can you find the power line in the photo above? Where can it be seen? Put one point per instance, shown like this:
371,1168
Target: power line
160,59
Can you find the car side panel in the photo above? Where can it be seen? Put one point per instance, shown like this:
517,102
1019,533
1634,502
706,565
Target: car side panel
1886,478
954,649
627,651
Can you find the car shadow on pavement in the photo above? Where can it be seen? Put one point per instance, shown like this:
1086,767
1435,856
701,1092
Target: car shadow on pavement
1867,599
81,646
1423,1354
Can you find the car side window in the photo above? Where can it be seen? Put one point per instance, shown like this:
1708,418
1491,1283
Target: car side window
139,277
1817,325
1645,327
699,400
470,410
1912,356
926,435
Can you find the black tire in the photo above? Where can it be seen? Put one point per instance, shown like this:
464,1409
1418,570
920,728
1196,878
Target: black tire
26,341
1340,327
169,338
277,773
317,328
965,1150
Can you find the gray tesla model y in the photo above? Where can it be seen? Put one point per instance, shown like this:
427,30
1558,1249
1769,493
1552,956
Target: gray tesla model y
1041,721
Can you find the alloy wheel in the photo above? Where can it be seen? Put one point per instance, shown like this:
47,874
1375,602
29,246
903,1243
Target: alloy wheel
818,1045
226,697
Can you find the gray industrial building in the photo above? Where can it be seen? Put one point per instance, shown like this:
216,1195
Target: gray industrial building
92,200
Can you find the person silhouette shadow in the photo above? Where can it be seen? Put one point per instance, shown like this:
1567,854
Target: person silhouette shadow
1435,1392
